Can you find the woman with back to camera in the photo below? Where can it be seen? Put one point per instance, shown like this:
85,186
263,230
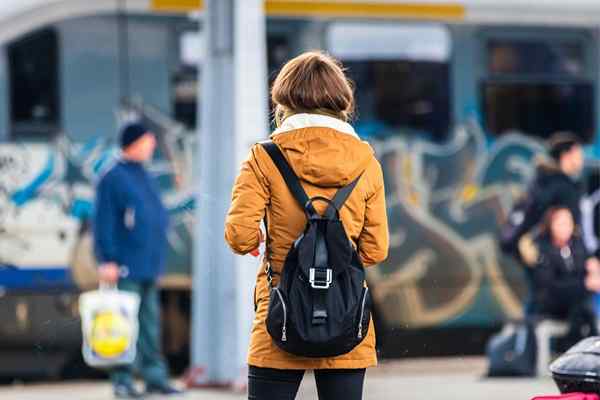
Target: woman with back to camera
313,102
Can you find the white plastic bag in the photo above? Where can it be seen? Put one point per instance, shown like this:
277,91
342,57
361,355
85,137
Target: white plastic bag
109,322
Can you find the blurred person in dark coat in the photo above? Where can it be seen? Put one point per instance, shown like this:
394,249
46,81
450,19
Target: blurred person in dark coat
562,274
556,182
130,233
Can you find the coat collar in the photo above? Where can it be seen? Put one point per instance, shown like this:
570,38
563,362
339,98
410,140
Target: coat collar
305,120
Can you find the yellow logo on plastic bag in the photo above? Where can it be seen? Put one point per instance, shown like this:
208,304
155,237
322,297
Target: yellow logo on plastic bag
111,334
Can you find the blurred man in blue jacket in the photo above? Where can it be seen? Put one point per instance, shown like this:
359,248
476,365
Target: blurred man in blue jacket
130,231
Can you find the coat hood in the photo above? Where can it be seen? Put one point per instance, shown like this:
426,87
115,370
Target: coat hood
323,150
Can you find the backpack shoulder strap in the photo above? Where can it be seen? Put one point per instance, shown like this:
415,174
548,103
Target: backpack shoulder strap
290,178
340,197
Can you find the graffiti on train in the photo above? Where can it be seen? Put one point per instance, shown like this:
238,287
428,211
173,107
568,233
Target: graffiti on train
46,200
445,205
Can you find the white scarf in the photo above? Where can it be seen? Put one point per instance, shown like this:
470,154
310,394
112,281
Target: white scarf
299,121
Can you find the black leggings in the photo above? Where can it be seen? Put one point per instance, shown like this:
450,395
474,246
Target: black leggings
283,384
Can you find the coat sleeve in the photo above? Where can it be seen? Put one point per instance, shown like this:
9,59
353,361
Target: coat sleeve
373,242
248,203
533,209
106,215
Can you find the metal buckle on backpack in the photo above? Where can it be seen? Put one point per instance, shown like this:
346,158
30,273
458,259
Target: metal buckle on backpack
319,282
269,272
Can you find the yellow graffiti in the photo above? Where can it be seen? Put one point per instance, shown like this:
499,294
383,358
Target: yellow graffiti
469,193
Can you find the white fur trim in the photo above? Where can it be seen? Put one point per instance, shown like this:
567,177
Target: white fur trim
299,121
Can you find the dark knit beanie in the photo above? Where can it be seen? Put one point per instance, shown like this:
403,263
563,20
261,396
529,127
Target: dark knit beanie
132,132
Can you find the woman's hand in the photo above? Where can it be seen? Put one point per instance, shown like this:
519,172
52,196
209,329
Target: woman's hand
593,265
108,273
592,280
592,283
261,239
529,252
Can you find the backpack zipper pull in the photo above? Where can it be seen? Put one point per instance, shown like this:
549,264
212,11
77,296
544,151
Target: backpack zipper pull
283,328
362,313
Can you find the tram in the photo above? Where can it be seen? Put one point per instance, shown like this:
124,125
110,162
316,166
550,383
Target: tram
456,98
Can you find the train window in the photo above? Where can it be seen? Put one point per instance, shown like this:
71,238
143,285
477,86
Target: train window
535,58
402,77
278,52
537,88
401,97
539,109
185,79
34,85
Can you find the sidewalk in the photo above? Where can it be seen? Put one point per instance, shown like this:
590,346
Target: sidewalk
440,379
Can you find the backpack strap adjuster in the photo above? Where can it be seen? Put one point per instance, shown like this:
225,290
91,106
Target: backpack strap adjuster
269,271
320,278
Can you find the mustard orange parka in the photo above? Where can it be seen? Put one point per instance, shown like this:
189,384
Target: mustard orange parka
325,154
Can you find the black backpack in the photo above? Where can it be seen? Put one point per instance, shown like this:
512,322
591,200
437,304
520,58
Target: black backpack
320,306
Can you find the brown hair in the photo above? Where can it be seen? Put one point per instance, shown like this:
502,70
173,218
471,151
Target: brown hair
312,82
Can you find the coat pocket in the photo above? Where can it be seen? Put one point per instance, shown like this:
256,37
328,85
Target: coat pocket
135,228
129,218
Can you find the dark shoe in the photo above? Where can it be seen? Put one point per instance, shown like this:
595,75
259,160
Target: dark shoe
166,390
127,392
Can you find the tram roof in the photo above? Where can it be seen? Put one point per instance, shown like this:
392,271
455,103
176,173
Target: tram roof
21,16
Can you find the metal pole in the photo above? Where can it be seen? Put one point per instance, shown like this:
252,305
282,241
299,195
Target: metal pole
123,56
251,119
234,116
213,295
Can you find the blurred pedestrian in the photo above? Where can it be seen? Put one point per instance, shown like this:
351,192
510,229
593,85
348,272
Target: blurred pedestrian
556,182
130,232
563,275
313,101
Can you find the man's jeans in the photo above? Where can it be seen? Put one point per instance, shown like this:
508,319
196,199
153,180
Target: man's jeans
149,362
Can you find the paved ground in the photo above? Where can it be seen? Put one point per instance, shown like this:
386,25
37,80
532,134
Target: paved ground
457,378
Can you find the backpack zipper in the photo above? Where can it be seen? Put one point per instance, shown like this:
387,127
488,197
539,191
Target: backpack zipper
362,314
283,329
